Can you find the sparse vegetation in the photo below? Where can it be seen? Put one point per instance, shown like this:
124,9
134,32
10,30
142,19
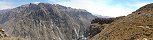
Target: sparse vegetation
12,38
136,26
103,20
98,24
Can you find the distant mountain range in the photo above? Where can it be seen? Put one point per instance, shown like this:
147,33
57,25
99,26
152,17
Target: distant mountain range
100,16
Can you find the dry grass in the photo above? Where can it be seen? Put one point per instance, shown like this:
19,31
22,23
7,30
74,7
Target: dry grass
136,26
12,38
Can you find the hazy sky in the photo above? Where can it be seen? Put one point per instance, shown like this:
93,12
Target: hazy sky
111,8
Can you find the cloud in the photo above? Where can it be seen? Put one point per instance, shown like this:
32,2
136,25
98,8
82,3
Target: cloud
106,8
5,5
97,7
36,2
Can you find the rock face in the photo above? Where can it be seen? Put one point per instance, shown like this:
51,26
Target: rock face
135,26
45,21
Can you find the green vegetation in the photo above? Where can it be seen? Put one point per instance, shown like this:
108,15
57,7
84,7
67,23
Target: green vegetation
103,20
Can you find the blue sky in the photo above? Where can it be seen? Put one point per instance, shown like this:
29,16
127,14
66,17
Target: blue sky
111,8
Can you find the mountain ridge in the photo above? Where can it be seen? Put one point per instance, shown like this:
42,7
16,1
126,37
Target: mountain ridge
45,22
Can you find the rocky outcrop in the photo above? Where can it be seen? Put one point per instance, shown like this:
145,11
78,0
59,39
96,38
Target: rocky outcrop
5,36
2,33
45,21
135,26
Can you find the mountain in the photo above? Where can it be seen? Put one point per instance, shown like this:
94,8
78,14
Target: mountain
100,16
45,21
136,26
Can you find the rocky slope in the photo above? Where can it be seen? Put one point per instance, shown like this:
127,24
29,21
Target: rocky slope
135,26
98,24
45,21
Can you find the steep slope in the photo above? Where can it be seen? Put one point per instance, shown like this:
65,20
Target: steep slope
135,26
45,21
98,24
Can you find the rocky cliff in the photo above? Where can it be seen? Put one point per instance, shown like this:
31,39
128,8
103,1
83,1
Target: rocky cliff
135,26
45,21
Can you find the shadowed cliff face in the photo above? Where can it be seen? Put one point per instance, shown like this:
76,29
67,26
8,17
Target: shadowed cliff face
45,21
135,26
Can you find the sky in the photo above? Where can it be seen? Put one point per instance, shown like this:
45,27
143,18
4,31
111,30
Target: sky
112,8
